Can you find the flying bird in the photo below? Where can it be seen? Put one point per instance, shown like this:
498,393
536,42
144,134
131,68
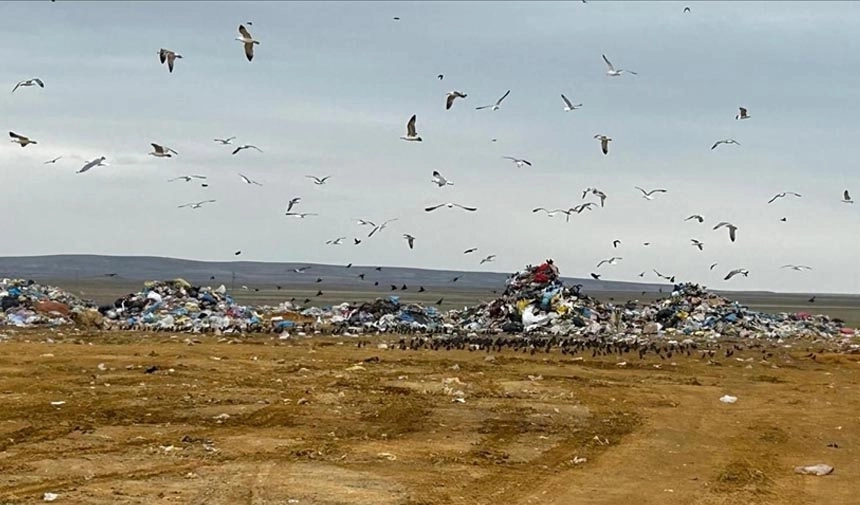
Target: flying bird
411,134
440,180
686,9
356,241
52,161
98,162
604,143
293,202
696,243
595,276
666,277
380,227
732,229
186,178
21,140
249,181
317,180
29,82
596,192
225,142
742,114
161,151
549,213
300,215
246,146
568,106
248,41
612,72
468,251
450,206
783,195
611,261
451,96
409,239
798,268
196,205
168,56
697,217
712,266
518,162
497,104
725,141
735,272
237,253
440,77
488,259
581,207
648,194
616,243
336,241
846,198
301,270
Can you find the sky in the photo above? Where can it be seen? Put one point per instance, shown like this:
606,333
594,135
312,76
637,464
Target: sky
333,84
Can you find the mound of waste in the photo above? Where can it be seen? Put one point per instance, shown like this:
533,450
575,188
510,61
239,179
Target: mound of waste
24,303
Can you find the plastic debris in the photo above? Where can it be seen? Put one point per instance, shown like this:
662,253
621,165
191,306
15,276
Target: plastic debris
819,469
728,399
49,497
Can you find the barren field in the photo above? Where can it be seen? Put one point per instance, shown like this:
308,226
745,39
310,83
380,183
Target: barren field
259,420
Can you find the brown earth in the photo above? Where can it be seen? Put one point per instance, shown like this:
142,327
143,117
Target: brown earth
320,421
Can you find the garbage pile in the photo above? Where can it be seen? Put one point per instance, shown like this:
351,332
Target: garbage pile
24,303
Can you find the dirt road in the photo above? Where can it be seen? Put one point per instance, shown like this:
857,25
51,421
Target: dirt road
320,421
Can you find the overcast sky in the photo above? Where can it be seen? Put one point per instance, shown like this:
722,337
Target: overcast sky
333,84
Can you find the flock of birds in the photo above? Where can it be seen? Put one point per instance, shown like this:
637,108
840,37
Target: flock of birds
169,58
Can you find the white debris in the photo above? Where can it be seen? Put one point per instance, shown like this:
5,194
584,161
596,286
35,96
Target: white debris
819,469
50,496
728,399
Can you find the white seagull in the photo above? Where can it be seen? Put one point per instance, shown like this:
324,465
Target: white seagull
798,268
161,151
21,140
550,213
380,227
604,142
611,261
581,207
450,206
409,239
488,259
440,180
451,96
50,162
696,243
497,104
168,56
732,229
336,241
597,193
29,82
98,162
697,217
569,106
735,272
724,141
317,180
293,202
517,161
648,194
249,181
846,198
301,215
411,134
612,71
742,113
196,205
186,178
248,42
783,195
225,142
246,146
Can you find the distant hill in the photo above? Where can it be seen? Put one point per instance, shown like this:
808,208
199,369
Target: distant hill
143,268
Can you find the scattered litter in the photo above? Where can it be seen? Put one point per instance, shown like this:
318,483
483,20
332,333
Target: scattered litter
387,455
57,404
819,469
728,399
578,461
50,497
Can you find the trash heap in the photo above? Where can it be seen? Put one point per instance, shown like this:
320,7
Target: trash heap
24,303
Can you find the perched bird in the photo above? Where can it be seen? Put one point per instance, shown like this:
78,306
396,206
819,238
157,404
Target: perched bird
611,261
249,181
52,161
440,180
725,141
612,72
225,142
196,205
696,243
488,259
742,114
616,243
568,106
186,178
246,146
98,162
604,143
409,239
293,202
380,227
647,194
783,195
846,198
300,215
29,82
498,103
519,163
168,56
595,276
21,140
732,229
735,272
451,96
317,180
469,251
798,268
411,134
450,206
248,41
336,241
697,217
161,151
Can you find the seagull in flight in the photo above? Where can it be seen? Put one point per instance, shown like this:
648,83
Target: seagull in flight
697,217
742,113
409,239
411,134
186,178
336,241
301,270
440,180
597,193
583,206
168,56
549,213
712,266
249,181
568,106
29,82
616,243
612,72
735,272
783,195
497,104
666,277
488,259
846,198
248,41
98,162
696,243
520,163
798,268
450,206
380,227
50,162
196,205
21,140
317,180
611,261
225,142
246,146
604,143
451,96
686,9
161,151
292,203
648,194
732,229
469,251
300,215
724,141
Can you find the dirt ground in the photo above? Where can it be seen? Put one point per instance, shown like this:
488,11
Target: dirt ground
321,421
